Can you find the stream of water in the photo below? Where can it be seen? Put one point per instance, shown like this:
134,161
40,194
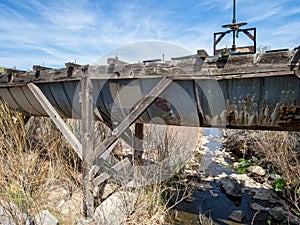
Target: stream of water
210,200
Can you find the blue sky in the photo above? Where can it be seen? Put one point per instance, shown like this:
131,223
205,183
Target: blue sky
53,32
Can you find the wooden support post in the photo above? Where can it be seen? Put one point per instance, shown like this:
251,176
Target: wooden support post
87,113
138,143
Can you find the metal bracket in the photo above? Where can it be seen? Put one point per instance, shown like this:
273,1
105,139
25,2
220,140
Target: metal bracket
234,28
252,36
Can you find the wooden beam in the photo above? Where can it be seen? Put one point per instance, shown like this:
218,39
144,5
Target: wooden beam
87,112
37,67
132,117
60,124
87,139
138,143
110,173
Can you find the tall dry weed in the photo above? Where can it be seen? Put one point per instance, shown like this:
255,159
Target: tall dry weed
168,148
278,151
33,157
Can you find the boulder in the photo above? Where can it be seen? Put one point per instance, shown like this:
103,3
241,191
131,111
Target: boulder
45,218
231,187
116,208
237,216
258,207
277,213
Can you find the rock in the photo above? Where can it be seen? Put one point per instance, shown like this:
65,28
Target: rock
45,218
235,165
203,186
258,207
277,213
274,176
213,194
266,195
237,216
5,220
220,160
109,189
190,199
10,214
222,175
256,170
249,183
231,187
254,159
116,208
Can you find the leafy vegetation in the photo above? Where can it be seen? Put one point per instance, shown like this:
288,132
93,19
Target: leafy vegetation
244,164
280,183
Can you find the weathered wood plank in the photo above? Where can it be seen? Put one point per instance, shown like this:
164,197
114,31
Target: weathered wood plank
61,125
138,143
105,176
87,112
195,65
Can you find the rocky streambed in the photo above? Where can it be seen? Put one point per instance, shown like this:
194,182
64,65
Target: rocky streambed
227,190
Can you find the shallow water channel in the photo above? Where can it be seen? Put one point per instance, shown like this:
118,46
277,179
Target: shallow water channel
209,200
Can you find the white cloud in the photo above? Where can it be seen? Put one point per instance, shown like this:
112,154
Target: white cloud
266,11
70,15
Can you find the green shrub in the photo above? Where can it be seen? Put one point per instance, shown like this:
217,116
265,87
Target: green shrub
244,164
280,184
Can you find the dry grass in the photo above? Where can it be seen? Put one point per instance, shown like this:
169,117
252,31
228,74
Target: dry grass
155,201
33,158
277,151
169,148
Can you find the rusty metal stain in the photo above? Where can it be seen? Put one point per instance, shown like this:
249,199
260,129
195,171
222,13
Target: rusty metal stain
289,116
282,117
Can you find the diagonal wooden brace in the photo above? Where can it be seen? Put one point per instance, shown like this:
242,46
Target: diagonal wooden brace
61,125
126,136
108,174
133,116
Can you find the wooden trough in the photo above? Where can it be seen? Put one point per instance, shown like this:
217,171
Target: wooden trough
245,91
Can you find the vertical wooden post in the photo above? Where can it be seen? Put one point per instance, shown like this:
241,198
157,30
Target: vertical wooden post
87,140
138,143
